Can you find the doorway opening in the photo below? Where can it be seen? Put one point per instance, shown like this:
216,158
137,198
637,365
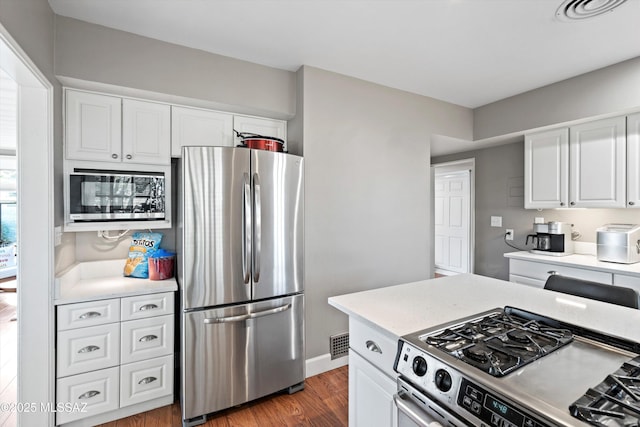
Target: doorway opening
26,205
454,219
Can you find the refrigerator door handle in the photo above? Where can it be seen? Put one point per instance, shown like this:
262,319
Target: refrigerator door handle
241,317
246,229
258,227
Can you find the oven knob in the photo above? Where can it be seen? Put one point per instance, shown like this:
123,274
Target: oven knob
419,366
443,380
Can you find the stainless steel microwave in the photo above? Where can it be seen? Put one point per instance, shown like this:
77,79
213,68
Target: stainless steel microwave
98,196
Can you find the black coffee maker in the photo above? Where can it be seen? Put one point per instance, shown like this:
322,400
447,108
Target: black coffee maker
551,238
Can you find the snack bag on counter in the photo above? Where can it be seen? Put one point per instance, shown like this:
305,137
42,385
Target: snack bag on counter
143,245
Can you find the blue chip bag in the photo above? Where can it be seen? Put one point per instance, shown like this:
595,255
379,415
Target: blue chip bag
143,245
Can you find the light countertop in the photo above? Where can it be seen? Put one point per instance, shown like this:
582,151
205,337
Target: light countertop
402,309
96,280
589,262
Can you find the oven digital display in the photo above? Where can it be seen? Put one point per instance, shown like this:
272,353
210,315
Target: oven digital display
503,410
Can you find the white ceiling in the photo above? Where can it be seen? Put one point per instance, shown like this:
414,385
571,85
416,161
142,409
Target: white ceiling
468,52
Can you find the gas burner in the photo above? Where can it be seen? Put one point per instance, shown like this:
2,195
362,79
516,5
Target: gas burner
479,353
615,401
520,336
500,342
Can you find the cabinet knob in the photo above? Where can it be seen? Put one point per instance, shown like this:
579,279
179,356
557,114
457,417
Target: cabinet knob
561,203
572,203
631,203
114,156
129,157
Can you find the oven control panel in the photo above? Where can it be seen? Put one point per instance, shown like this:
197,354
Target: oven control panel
493,410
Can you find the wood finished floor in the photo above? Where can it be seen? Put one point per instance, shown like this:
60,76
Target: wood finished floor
323,403
8,353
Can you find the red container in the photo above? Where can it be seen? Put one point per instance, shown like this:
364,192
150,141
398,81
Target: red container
260,142
161,268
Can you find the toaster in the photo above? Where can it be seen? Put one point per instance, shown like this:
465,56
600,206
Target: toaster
619,243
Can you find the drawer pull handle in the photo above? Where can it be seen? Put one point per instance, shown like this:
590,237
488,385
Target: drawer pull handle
89,349
552,272
372,346
148,338
147,380
89,394
89,315
148,307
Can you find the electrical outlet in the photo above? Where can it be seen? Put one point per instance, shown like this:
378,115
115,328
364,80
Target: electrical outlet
509,233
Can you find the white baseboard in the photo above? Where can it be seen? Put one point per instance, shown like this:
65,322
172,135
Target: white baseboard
323,363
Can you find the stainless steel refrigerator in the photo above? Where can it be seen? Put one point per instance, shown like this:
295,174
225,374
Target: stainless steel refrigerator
240,270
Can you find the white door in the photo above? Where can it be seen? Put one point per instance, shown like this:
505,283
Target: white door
191,126
146,132
598,164
546,169
451,204
633,161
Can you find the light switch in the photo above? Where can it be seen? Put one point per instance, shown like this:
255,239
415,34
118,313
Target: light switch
496,221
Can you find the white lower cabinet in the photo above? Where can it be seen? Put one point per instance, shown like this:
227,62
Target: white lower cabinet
627,281
146,380
372,381
87,394
534,273
104,371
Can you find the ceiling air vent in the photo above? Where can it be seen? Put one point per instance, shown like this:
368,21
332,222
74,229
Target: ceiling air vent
578,10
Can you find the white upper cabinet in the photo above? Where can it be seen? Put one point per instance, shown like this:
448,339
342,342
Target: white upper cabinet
633,161
111,129
598,164
93,126
583,166
546,168
192,126
146,132
265,127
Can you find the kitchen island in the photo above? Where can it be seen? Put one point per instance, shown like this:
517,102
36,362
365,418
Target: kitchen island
377,319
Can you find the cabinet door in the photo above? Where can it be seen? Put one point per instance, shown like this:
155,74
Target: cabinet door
93,127
260,126
598,164
191,126
146,132
633,161
370,395
546,169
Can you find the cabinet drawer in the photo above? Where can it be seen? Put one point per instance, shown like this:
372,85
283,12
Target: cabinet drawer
373,345
541,271
521,280
146,380
87,349
144,306
146,338
92,393
626,281
92,313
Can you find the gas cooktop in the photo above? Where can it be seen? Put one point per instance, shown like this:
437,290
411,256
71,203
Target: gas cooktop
509,367
500,342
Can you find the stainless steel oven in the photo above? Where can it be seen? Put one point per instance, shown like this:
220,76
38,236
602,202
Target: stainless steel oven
107,195
512,368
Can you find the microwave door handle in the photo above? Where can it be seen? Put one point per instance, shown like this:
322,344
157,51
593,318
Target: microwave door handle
257,236
246,228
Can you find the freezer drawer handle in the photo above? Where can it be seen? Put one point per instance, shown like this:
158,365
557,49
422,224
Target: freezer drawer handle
247,316
148,338
89,394
89,315
148,307
89,349
147,380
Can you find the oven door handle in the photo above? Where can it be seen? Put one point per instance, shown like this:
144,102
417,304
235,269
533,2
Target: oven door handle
412,411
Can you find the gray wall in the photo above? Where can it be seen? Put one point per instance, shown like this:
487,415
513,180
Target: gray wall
99,54
499,191
367,175
613,89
